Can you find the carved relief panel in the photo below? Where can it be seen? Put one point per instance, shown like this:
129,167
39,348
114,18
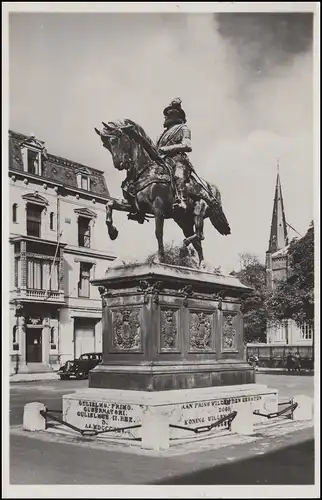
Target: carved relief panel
126,330
201,331
169,330
229,333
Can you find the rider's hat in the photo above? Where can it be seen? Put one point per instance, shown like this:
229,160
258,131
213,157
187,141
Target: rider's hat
174,109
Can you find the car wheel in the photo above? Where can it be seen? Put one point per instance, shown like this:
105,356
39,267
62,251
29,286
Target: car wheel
64,377
80,375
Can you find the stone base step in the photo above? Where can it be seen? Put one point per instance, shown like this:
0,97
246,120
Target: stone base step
35,368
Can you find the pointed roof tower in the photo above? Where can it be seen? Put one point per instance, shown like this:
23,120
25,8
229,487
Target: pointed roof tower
278,237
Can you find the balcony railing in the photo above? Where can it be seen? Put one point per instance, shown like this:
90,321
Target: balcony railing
41,295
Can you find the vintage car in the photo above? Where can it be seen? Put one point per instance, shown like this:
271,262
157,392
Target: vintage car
80,367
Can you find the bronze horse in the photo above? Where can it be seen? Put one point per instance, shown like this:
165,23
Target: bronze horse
149,188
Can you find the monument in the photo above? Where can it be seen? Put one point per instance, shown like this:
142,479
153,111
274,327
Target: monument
173,351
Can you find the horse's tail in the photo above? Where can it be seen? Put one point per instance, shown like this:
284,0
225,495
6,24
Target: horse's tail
216,213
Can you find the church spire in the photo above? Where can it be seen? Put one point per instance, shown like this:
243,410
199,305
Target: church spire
278,237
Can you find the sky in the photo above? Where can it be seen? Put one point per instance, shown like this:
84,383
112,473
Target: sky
245,81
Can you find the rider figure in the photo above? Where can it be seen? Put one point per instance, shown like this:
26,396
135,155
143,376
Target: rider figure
175,143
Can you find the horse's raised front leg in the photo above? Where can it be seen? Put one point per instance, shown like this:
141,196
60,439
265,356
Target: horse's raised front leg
112,231
120,205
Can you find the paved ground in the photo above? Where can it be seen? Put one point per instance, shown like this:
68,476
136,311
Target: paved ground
289,459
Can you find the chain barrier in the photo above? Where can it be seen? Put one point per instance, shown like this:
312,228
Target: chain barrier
207,428
48,414
292,407
84,432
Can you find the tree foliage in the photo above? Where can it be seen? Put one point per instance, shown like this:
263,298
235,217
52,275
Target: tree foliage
253,275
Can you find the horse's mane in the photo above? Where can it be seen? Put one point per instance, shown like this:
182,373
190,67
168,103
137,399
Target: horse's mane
127,122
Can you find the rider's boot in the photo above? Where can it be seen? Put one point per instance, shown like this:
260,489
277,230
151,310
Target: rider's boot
181,199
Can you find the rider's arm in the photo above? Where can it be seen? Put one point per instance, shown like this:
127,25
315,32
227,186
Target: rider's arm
184,146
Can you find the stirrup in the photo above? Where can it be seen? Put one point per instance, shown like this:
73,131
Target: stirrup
178,203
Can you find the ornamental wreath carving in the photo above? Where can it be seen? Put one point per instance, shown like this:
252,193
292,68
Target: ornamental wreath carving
200,330
228,333
169,329
126,329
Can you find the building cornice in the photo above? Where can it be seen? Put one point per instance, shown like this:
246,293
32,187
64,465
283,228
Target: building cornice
49,182
17,238
87,252
38,179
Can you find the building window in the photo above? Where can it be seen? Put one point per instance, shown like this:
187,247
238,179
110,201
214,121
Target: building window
84,278
51,221
14,212
42,275
53,338
84,232
34,220
306,332
84,182
14,334
15,345
32,161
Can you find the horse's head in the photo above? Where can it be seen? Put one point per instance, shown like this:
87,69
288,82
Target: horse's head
115,138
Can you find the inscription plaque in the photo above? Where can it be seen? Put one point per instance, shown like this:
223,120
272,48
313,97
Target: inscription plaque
202,413
99,415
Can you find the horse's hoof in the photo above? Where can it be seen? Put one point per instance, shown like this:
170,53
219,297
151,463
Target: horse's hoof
158,260
184,251
113,232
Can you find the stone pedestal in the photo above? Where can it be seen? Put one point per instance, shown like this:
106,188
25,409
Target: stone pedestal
167,328
157,418
173,358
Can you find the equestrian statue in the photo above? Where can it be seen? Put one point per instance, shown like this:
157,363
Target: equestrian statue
161,181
